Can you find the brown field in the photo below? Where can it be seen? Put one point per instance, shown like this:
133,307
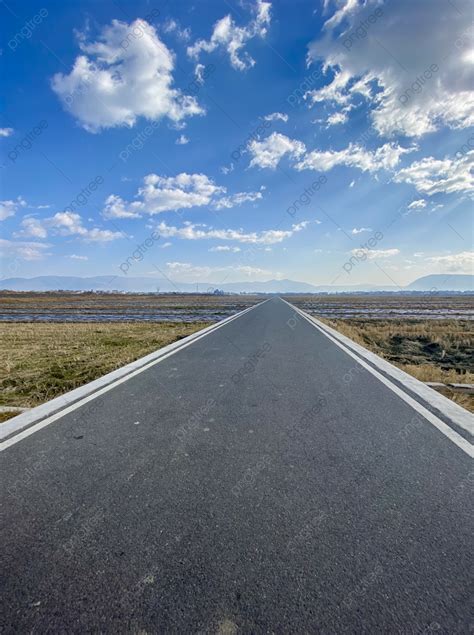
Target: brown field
119,307
387,306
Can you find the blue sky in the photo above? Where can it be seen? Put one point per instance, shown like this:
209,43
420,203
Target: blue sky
328,142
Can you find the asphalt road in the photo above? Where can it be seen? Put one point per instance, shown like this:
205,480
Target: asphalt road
239,486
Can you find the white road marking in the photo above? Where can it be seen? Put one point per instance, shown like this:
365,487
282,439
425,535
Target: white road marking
453,436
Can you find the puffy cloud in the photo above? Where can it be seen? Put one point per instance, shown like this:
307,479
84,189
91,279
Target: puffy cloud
355,156
23,250
6,132
125,74
76,257
116,207
232,38
183,191
65,224
32,228
276,116
161,194
70,224
337,118
269,152
463,261
190,231
415,75
432,176
10,207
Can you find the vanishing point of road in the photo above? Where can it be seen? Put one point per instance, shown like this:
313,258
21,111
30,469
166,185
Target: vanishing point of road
259,480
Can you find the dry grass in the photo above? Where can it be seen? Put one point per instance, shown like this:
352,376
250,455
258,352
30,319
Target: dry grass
41,361
430,350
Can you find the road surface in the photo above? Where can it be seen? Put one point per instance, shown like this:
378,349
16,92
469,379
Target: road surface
258,481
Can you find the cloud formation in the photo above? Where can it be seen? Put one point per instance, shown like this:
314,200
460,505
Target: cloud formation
125,74
166,194
460,262
231,38
65,224
414,85
432,176
269,152
190,231
10,207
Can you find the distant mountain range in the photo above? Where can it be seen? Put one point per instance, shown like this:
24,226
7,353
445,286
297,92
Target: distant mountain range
438,282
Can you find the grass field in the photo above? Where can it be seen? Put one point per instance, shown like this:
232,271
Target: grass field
430,350
41,361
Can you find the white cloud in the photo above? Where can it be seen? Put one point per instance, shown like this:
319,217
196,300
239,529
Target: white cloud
386,157
182,140
166,245
232,38
199,73
432,176
183,191
10,207
234,250
276,116
269,152
76,257
348,7
70,224
360,230
65,224
32,228
227,169
6,132
187,272
125,74
416,76
23,250
227,202
373,254
189,231
461,262
172,26
337,118
116,207
418,204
